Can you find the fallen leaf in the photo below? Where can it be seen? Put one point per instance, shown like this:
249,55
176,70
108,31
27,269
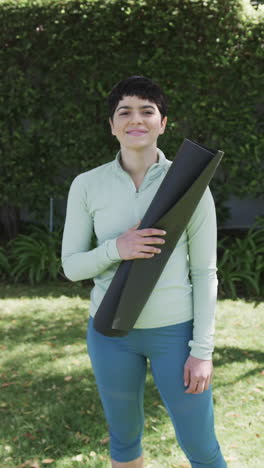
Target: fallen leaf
7,384
29,436
104,441
257,435
31,464
47,448
47,461
84,438
233,415
68,378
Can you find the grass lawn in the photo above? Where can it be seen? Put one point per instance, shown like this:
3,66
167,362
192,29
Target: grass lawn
50,411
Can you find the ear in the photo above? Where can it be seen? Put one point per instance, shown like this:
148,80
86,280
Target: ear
163,125
112,126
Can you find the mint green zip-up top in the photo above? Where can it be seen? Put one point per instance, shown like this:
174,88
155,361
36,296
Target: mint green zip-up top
106,200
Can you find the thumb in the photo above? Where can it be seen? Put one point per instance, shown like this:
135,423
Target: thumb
136,226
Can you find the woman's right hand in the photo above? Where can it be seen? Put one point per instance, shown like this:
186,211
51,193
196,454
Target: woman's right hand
134,242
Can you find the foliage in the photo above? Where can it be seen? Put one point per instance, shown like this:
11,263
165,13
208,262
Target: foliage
35,257
60,59
4,263
241,263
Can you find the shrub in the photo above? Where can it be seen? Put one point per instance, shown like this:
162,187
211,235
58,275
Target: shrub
35,257
62,58
241,263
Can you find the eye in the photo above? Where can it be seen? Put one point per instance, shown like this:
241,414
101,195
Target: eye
148,112
124,113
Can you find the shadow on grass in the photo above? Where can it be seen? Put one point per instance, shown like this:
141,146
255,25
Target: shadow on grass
50,418
228,354
255,301
47,289
79,288
40,330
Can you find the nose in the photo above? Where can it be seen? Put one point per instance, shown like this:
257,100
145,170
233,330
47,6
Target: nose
136,117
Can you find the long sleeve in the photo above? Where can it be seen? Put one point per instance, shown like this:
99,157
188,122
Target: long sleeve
78,261
202,245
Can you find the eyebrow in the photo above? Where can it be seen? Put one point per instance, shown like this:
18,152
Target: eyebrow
141,107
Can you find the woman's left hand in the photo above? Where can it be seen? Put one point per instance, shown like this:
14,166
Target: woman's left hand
198,374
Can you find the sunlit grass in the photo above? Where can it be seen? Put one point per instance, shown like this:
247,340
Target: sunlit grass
50,411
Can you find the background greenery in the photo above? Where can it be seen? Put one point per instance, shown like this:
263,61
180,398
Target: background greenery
34,257
60,59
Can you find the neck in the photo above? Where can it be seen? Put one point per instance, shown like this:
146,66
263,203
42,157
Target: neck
136,163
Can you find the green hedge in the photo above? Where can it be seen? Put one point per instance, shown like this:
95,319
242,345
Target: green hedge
61,58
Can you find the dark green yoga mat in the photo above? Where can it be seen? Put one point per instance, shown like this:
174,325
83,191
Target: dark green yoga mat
171,209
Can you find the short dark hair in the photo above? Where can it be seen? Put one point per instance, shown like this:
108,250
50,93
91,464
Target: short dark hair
141,87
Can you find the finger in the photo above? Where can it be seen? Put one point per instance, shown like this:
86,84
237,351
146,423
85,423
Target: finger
207,383
200,386
192,387
148,249
186,376
143,255
152,232
150,240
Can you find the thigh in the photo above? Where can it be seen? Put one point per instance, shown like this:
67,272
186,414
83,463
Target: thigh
191,415
120,376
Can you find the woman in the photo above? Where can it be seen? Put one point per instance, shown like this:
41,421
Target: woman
175,328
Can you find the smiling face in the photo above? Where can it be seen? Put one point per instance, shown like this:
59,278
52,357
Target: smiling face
137,123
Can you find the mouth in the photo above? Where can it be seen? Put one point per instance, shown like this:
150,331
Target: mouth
136,132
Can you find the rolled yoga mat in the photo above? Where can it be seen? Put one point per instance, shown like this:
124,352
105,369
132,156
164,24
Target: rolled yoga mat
171,209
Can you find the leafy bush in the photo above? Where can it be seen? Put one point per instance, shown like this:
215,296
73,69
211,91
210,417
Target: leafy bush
35,257
241,263
62,58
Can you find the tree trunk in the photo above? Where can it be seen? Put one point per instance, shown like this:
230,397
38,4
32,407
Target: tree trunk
9,221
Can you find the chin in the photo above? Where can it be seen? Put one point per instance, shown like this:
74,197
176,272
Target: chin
138,146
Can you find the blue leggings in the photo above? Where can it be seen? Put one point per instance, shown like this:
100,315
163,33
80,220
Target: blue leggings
120,365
